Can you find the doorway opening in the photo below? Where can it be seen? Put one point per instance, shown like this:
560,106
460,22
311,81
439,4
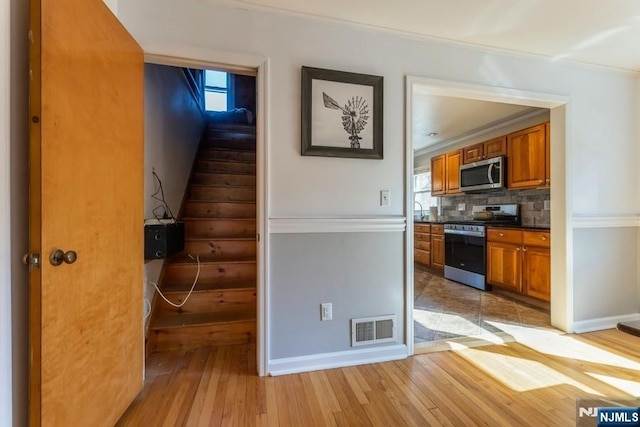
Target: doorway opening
224,201
440,311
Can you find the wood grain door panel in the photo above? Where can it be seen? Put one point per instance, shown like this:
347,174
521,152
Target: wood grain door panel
526,151
537,273
504,266
438,175
86,195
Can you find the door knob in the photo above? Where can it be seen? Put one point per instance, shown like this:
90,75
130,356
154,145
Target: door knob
58,256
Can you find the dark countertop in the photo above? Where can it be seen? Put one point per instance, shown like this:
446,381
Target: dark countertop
541,227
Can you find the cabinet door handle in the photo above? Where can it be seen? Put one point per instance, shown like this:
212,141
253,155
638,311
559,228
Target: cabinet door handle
518,249
543,237
524,249
501,234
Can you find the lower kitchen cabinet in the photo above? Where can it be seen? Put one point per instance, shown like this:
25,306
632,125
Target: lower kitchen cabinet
437,247
520,261
504,267
422,244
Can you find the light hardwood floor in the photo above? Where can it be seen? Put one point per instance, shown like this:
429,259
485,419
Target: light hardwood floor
533,382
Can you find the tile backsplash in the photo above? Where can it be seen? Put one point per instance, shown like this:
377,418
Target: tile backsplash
531,204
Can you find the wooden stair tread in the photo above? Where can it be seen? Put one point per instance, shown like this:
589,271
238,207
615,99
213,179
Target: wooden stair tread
229,186
208,259
218,219
218,285
202,319
209,239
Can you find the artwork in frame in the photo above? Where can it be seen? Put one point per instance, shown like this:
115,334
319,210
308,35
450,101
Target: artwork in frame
341,114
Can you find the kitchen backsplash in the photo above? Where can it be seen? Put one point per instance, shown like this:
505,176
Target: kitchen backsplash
531,204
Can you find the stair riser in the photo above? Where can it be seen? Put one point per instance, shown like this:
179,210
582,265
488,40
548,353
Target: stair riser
208,302
228,155
223,248
220,228
243,144
199,336
224,180
223,194
225,167
219,210
186,273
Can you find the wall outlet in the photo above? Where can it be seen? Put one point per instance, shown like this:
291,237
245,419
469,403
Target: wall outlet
462,206
547,205
385,198
326,311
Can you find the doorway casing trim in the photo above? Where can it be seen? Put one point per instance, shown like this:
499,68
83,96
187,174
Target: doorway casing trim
561,246
196,57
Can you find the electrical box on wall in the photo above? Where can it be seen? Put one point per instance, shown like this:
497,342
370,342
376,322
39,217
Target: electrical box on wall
162,238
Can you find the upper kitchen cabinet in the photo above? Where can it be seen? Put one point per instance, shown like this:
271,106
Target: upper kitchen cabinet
485,150
527,151
445,173
438,187
452,171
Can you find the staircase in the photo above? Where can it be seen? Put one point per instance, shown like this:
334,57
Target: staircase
219,212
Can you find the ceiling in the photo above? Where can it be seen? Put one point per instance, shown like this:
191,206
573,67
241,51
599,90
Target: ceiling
455,118
590,31
597,32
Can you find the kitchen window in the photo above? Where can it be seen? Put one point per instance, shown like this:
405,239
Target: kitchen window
422,193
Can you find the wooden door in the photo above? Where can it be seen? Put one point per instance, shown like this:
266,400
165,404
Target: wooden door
453,162
86,195
504,266
536,272
547,146
473,153
495,147
437,175
526,151
437,251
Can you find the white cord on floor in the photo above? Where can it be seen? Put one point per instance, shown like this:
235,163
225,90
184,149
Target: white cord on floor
197,258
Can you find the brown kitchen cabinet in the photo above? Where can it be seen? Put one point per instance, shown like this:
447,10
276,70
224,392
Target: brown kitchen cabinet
520,261
437,247
452,171
438,176
445,173
422,244
536,264
485,150
527,153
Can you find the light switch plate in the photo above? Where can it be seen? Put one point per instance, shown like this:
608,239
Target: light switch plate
385,198
547,205
326,311
462,206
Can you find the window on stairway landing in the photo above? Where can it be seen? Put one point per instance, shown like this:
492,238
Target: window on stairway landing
216,91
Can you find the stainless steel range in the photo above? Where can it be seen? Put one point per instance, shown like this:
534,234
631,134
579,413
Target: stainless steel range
465,241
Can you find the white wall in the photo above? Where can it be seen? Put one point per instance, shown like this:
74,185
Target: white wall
6,404
173,126
601,125
19,206
13,213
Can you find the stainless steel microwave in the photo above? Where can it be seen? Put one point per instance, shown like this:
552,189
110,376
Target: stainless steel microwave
483,175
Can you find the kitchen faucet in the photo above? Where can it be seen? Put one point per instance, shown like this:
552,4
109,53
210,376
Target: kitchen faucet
421,209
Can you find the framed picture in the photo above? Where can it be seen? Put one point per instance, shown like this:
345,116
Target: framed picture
341,114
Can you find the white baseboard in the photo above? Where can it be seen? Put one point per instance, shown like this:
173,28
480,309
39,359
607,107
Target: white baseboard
339,359
603,323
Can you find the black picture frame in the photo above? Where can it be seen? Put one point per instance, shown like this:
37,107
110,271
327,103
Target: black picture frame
347,122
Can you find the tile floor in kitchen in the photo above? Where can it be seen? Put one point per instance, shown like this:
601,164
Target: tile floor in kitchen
445,310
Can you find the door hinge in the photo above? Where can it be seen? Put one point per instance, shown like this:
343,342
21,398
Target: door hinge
258,237
32,260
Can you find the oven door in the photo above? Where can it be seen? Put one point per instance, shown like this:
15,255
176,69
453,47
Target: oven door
465,252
